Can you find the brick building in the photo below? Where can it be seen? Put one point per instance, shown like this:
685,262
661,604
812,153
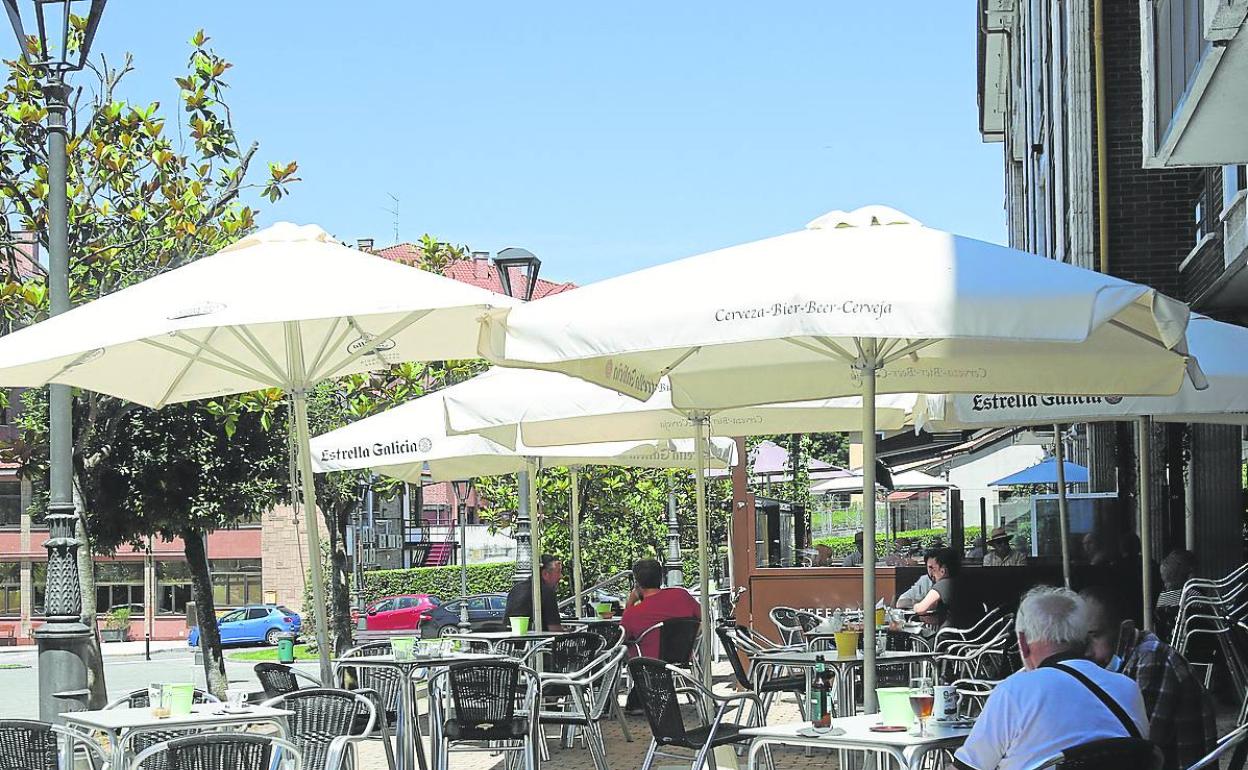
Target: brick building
1150,187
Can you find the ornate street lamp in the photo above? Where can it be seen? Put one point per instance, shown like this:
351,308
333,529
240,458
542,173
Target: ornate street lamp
61,45
529,265
462,490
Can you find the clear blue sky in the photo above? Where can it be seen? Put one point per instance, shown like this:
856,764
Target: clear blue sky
602,136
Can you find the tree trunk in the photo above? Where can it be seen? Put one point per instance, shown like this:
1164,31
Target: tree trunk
205,612
86,584
340,594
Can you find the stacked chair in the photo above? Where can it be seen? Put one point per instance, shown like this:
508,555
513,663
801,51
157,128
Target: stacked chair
1216,611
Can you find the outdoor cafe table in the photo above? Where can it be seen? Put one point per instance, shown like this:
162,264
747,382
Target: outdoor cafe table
843,666
911,631
906,748
407,730
493,638
121,724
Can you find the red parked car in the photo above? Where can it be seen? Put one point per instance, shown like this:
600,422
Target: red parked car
398,613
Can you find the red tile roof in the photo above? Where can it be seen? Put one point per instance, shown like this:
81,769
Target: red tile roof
477,272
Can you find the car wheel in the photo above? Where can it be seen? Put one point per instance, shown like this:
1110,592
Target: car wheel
271,637
448,629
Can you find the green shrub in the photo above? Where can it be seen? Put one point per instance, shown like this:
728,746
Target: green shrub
843,546
442,582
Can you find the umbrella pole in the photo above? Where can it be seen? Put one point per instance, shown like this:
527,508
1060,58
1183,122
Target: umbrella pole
535,545
299,398
1063,513
704,572
574,483
868,366
1146,534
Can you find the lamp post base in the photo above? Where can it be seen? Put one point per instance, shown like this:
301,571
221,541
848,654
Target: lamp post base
64,685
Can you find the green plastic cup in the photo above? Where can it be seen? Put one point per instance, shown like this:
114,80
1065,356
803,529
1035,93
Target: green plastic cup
604,609
519,625
404,647
895,706
178,698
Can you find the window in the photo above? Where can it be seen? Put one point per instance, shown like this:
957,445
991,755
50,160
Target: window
476,605
1234,181
10,588
236,582
173,587
452,608
386,606
407,602
257,613
1206,212
118,584
498,603
10,503
231,617
39,579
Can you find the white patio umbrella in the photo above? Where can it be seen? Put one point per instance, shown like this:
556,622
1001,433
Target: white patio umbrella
1220,348
285,307
409,440
856,303
551,408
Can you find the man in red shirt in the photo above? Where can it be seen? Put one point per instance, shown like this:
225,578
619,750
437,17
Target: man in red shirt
649,603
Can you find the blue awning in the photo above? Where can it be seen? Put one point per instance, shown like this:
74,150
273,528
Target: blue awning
1044,473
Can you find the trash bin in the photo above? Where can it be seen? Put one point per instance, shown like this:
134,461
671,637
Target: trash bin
285,648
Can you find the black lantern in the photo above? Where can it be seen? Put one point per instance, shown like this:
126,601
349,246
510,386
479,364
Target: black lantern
63,33
462,490
524,260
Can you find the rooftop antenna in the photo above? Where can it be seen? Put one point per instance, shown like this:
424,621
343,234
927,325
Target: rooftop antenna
394,212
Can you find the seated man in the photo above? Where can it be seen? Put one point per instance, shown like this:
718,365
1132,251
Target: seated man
647,604
1180,714
915,593
1001,553
855,559
1059,700
520,597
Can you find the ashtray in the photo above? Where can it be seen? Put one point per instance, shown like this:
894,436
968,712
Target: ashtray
819,732
887,728
239,710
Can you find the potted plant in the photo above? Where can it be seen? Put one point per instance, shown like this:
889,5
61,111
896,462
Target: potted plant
117,626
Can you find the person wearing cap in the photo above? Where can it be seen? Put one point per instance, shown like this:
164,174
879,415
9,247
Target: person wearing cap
1001,553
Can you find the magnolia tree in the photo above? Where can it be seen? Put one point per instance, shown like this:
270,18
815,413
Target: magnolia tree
146,194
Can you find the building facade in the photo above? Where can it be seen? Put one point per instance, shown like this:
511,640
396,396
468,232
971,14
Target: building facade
1120,154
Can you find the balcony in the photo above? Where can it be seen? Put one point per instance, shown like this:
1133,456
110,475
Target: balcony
1193,79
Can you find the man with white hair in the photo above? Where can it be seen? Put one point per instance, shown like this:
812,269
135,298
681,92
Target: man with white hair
1059,699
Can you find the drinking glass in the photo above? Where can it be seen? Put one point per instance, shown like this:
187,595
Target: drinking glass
235,698
922,699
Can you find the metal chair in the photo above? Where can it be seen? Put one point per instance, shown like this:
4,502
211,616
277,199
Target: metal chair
32,745
221,751
384,686
592,692
323,724
793,623
661,685
1106,754
1232,740
138,699
279,679
493,707
769,686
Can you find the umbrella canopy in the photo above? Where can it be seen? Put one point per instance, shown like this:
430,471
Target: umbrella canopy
284,307
551,408
1218,346
407,440
857,303
1044,473
411,439
903,480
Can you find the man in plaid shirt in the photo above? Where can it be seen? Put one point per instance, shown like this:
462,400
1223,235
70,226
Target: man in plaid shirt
1180,713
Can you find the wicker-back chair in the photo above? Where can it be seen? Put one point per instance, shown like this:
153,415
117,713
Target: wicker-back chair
592,691
386,682
26,744
660,686
678,640
221,751
571,652
492,703
323,724
279,678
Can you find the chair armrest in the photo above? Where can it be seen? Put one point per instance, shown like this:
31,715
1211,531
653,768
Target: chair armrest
339,750
96,756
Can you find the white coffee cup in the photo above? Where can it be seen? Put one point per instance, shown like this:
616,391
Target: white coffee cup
946,703
235,699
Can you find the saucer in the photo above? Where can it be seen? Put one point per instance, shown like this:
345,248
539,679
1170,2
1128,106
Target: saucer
819,732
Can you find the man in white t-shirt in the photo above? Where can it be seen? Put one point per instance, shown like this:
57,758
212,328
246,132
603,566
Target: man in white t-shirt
1051,705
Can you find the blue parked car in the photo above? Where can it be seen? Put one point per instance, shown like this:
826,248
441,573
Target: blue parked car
253,623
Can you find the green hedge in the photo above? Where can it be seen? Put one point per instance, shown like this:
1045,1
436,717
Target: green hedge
843,546
442,582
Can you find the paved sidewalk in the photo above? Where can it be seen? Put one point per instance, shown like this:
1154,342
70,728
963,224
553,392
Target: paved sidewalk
112,649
